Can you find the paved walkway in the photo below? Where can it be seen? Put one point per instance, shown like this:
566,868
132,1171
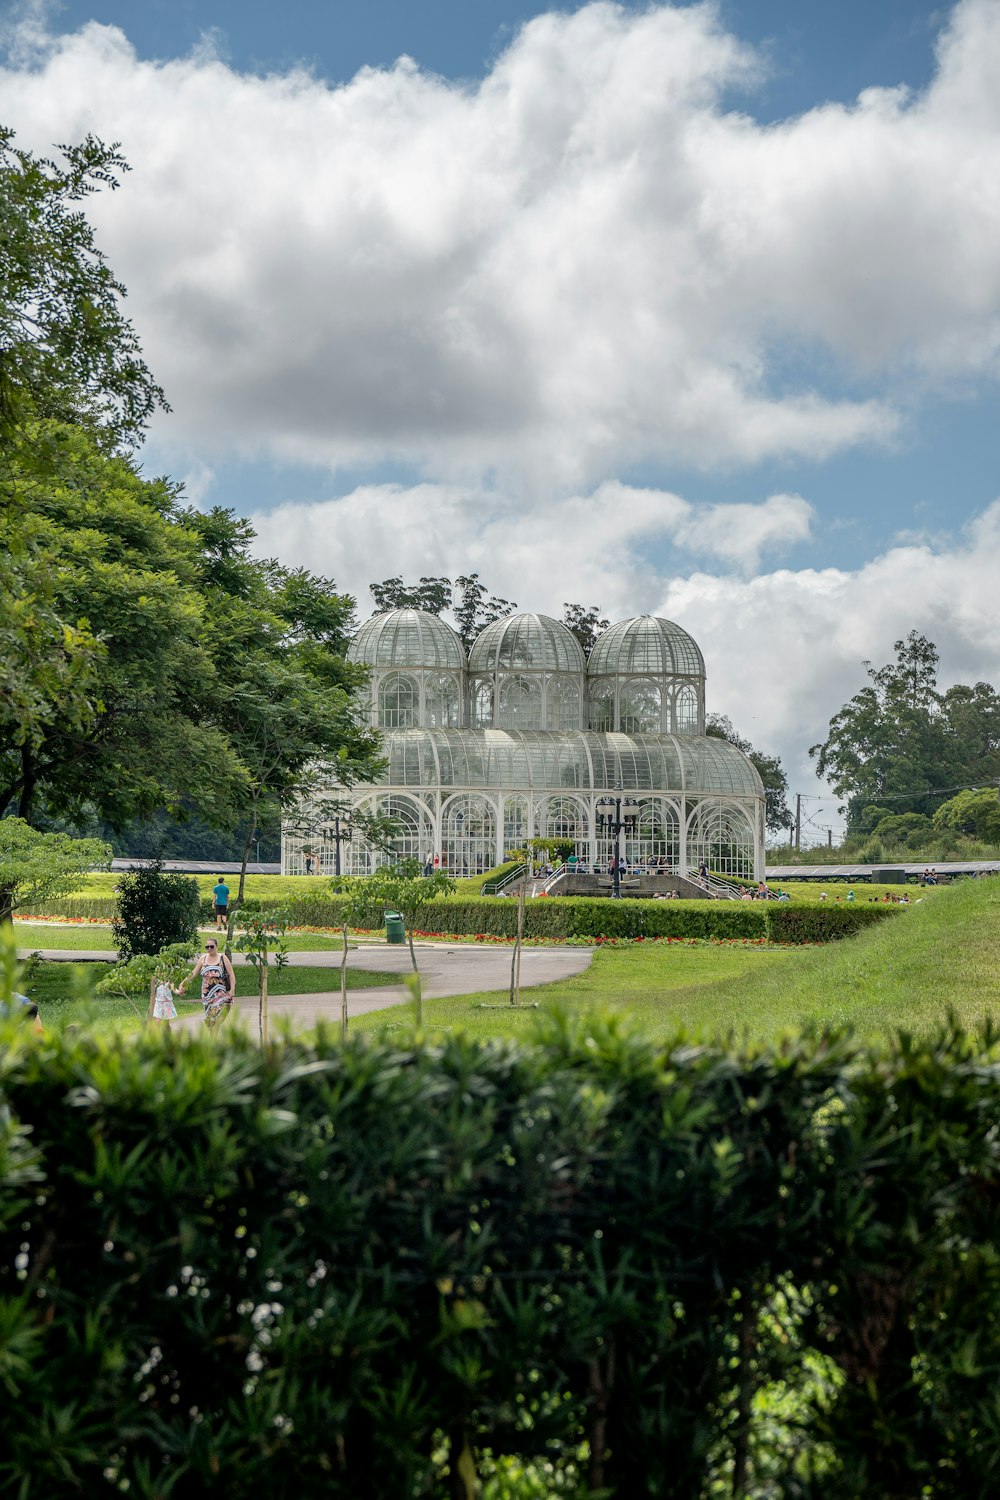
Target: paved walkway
445,969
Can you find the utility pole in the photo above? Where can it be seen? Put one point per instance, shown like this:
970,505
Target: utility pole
829,838
798,821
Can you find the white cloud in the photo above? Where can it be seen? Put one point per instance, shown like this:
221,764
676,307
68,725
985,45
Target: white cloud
783,649
586,260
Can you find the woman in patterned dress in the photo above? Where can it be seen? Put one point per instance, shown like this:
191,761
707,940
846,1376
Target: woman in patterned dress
218,983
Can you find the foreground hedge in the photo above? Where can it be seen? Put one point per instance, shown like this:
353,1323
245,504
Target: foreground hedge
579,916
378,1271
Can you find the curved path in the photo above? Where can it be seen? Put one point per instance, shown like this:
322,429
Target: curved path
445,969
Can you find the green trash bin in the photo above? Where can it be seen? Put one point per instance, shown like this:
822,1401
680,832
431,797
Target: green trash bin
395,928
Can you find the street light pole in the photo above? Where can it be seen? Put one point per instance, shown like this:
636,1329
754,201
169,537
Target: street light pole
612,822
332,829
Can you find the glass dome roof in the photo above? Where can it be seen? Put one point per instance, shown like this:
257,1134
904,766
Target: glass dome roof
407,638
526,642
554,761
645,646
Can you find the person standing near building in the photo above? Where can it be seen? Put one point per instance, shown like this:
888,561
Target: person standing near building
220,897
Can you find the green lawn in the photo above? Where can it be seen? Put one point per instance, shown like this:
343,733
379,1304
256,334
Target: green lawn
906,973
62,992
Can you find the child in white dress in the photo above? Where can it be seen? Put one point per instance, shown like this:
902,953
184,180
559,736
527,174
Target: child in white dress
164,1008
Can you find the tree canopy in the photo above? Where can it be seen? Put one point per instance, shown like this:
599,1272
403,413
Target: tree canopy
900,741
149,662
586,622
66,348
471,603
36,866
212,678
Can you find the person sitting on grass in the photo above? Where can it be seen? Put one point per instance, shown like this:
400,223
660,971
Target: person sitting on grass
25,1008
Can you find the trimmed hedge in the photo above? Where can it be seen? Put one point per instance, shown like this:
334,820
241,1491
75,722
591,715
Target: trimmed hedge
820,924
580,916
379,1270
100,908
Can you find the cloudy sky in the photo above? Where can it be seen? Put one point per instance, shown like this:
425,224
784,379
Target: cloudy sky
689,309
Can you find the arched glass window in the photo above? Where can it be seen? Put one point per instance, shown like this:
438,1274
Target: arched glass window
440,702
721,833
656,845
520,704
565,819
469,836
686,711
562,703
639,708
413,838
601,707
482,705
398,701
516,823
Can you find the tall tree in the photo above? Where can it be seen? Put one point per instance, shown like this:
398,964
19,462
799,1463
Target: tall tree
473,605
37,866
586,623
116,558
769,769
900,741
66,348
889,744
288,696
431,594
476,607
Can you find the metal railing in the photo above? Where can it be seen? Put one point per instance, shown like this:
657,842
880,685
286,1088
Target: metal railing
498,887
720,890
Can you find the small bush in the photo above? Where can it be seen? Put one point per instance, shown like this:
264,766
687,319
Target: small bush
154,910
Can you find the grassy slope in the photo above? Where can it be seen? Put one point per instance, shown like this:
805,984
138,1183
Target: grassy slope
907,973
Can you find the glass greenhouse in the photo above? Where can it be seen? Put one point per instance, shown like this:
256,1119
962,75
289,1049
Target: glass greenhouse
522,739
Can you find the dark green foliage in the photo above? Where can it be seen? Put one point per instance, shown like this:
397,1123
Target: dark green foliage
322,1271
822,924
585,622
154,909
68,349
900,739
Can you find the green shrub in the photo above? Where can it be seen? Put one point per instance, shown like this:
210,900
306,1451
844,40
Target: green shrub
574,916
326,1271
822,924
155,910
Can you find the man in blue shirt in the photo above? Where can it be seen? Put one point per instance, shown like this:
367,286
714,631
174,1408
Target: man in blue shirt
220,895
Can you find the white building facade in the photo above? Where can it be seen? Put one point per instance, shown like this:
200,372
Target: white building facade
522,739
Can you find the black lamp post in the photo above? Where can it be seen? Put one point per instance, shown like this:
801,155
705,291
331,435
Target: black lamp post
614,814
334,832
